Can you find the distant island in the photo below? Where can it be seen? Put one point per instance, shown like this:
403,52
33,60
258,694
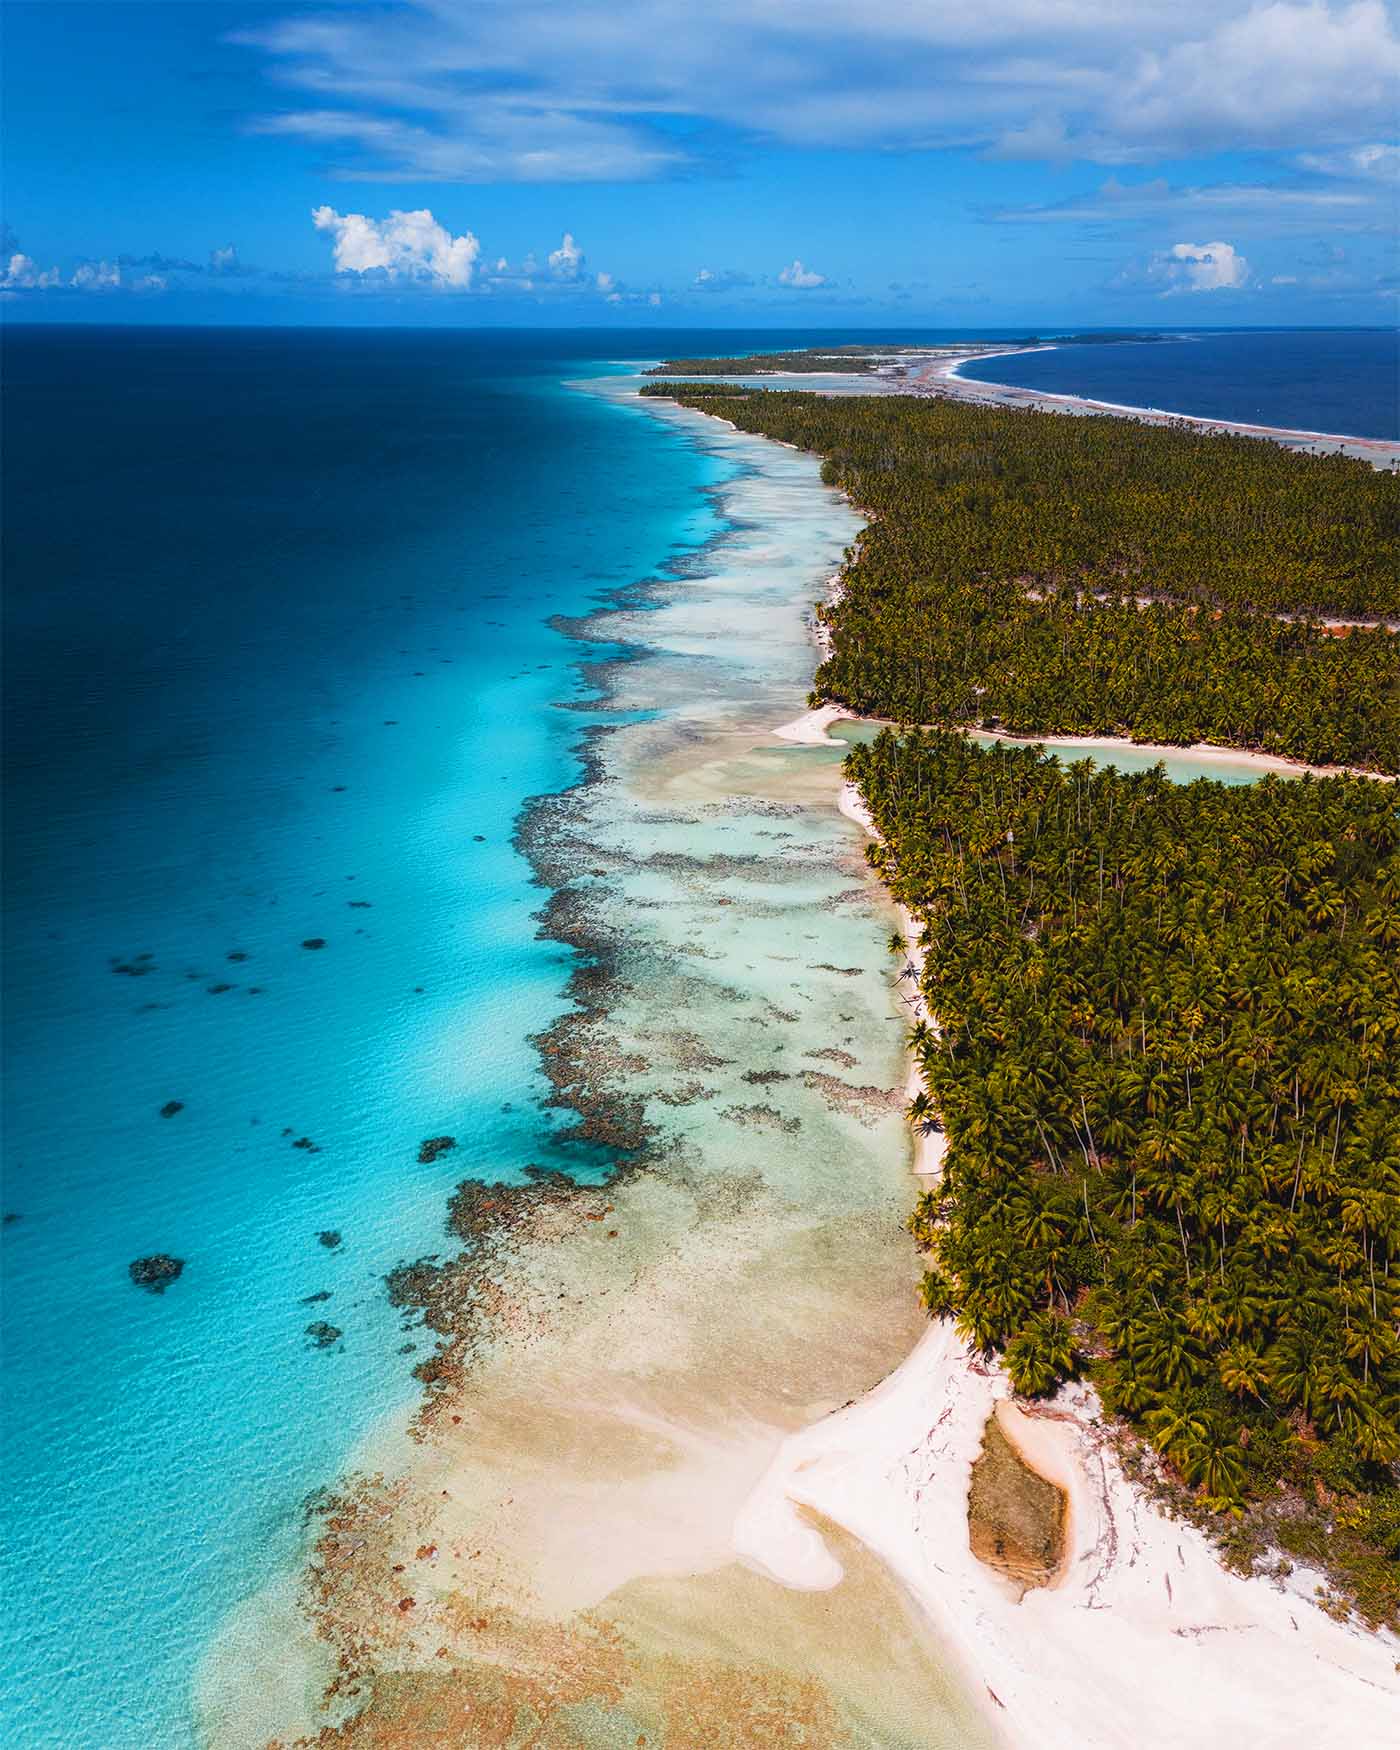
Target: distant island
863,360
815,359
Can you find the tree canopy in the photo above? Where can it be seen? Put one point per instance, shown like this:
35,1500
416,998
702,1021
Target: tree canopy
1052,574
1167,1059
1166,1046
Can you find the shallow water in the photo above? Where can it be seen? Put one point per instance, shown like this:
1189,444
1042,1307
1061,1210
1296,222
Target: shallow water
647,1356
1181,767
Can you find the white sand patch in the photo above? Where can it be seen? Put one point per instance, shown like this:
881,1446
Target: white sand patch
810,729
1146,1642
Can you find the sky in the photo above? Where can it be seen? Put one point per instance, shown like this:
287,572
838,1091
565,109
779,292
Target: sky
698,163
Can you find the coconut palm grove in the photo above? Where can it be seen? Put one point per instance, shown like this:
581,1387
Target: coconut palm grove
1166,1032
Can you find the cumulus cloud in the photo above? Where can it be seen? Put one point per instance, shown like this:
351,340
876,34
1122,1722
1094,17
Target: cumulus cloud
802,278
724,279
1192,267
96,276
410,246
23,273
525,90
566,262
225,260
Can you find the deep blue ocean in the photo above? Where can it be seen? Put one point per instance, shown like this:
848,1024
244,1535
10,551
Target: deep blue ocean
1341,381
279,678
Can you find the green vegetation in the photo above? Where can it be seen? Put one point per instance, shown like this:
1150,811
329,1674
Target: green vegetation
815,358
1168,1064
1167,1052
1053,574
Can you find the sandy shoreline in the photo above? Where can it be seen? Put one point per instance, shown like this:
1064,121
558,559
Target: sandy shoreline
943,377
811,730
1145,1641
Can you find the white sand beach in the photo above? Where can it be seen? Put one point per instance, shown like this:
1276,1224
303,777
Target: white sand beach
1146,1640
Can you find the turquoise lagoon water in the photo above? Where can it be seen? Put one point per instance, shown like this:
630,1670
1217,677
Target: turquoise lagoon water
1180,767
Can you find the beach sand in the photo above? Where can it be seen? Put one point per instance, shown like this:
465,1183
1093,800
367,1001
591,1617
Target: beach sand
813,729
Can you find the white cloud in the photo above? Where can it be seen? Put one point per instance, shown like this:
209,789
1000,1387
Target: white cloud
97,276
1198,267
803,278
1374,163
224,260
1211,203
653,298
566,262
152,282
1276,73
412,246
526,90
24,274
721,280
605,282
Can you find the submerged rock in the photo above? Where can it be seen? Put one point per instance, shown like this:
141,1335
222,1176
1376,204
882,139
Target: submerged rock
156,1273
322,1335
312,1299
314,942
330,1238
435,1146
171,1107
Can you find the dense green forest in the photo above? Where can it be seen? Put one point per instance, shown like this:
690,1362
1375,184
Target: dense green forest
1168,1063
756,364
1167,1050
1048,573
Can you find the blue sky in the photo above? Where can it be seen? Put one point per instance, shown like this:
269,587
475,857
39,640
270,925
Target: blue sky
703,162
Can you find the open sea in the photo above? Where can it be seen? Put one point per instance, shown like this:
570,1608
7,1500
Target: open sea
1345,382
281,673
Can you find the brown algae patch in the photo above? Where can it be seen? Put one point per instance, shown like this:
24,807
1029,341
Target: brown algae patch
724,1662
1017,1520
